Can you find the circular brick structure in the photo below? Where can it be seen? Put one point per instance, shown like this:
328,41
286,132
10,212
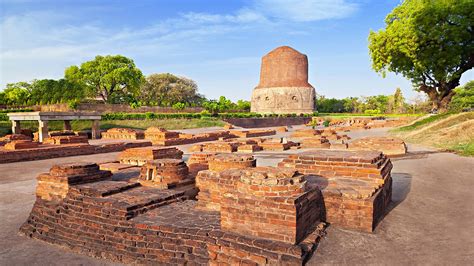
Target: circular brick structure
223,162
283,86
271,182
162,172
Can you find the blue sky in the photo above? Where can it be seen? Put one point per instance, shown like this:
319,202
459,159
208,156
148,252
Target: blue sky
217,43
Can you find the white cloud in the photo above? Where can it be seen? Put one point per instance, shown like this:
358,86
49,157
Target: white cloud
40,44
306,10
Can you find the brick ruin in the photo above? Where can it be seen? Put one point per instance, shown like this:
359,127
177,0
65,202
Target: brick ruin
272,203
123,133
164,173
20,145
60,140
102,215
361,123
356,186
217,208
388,145
139,156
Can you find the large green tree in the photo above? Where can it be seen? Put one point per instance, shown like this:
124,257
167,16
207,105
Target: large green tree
109,77
48,91
167,89
17,93
430,42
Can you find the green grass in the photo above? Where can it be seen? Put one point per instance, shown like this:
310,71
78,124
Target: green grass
422,122
5,126
465,149
448,131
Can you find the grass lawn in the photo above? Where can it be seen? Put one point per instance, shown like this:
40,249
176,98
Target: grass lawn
452,132
423,122
5,126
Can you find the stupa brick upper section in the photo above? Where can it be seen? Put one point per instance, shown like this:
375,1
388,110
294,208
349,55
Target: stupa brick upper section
283,86
284,67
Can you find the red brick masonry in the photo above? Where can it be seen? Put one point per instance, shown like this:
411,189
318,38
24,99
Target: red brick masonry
356,186
48,151
126,222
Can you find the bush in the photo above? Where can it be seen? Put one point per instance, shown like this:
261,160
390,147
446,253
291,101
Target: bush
203,114
73,104
15,110
3,117
372,112
463,98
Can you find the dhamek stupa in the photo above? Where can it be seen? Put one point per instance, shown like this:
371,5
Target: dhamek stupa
283,87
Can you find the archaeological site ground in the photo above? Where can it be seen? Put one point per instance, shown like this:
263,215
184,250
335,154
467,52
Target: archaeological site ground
290,132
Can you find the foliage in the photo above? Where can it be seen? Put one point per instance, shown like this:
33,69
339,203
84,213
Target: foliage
4,111
463,98
152,116
17,93
378,104
243,105
326,123
114,78
49,91
73,104
78,125
44,91
372,111
179,106
167,89
429,42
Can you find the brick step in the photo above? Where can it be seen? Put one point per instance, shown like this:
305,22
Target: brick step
141,199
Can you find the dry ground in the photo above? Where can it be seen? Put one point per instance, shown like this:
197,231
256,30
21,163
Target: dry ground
430,221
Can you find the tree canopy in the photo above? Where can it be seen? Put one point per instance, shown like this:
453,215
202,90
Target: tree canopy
167,89
463,98
429,42
114,78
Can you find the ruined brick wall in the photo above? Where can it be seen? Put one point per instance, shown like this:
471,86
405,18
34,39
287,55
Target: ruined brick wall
20,145
129,223
163,173
199,161
223,162
356,186
123,133
139,156
60,140
388,145
217,181
56,184
268,121
271,203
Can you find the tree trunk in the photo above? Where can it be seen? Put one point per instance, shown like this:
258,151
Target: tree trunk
440,97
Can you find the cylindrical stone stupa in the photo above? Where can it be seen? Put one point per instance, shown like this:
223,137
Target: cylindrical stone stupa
283,87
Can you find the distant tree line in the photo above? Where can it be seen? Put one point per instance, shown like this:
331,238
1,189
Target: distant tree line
115,80
378,104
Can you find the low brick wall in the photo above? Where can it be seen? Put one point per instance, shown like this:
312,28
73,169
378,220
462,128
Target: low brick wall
57,151
133,224
356,185
268,121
